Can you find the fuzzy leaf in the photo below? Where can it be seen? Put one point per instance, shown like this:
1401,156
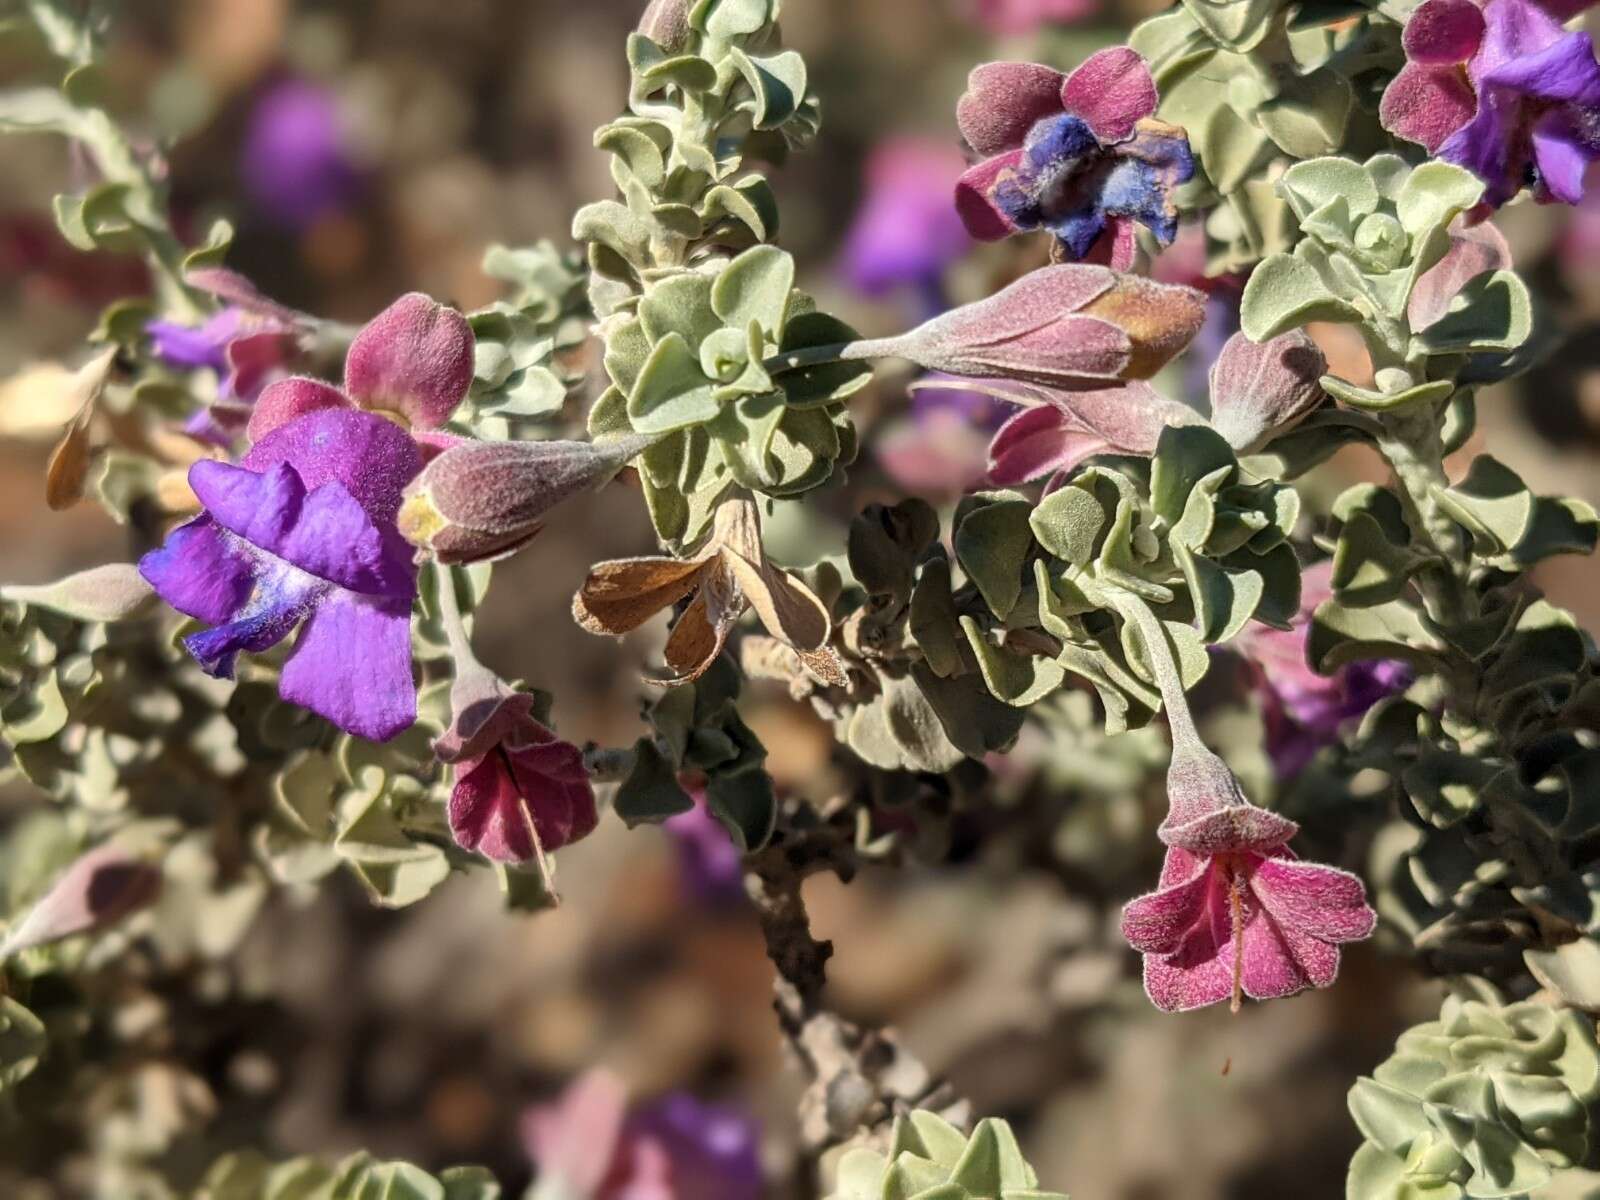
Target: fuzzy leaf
1283,294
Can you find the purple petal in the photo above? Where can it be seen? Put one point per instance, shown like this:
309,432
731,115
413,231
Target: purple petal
1003,101
281,601
324,533
1317,901
1156,923
352,665
373,458
1112,89
983,217
1427,104
195,346
289,398
200,572
1440,32
906,232
414,358
1563,153
1564,70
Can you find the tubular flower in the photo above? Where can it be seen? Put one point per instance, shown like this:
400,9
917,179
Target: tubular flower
1073,326
1237,914
520,792
1080,155
1503,90
1259,391
412,362
301,534
730,575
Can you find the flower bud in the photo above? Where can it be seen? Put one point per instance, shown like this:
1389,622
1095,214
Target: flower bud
666,23
1262,390
484,500
1073,326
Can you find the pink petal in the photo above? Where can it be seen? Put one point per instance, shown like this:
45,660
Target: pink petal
982,217
1038,442
1443,31
576,1139
555,785
289,398
414,358
1129,418
1270,970
1156,923
256,357
1111,90
487,812
1311,899
1200,971
1474,249
234,288
1003,101
1076,350
1427,104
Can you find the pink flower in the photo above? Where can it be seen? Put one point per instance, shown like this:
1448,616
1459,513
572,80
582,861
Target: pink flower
1080,155
520,792
1237,913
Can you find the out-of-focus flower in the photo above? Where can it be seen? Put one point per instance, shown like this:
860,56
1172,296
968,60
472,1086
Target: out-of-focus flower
95,891
1071,326
941,447
1237,914
301,534
412,363
296,162
712,867
1080,155
247,343
520,792
1306,711
1259,391
730,575
483,500
1503,90
587,1147
1007,18
906,232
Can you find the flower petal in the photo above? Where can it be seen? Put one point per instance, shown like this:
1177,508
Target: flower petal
552,778
1318,901
1427,104
487,813
325,533
1565,70
279,606
1270,970
373,458
283,401
352,665
413,358
1038,442
623,594
984,218
1157,922
254,358
1112,89
1439,32
200,572
1562,154
1002,102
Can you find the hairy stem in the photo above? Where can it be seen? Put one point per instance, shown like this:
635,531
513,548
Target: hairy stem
1169,679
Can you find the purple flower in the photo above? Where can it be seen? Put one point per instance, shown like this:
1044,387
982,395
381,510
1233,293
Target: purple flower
587,1147
711,865
296,163
906,232
301,534
1502,90
1079,155
1306,711
1012,17
1236,913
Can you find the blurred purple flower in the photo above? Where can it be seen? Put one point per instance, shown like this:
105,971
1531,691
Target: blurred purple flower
907,231
296,162
1080,155
1011,17
1503,90
712,868
1306,711
587,1147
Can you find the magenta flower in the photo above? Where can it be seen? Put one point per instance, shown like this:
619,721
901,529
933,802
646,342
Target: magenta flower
301,534
1503,90
520,792
412,362
1306,711
710,864
250,341
1013,17
588,1147
1237,914
905,233
1259,391
1080,155
296,162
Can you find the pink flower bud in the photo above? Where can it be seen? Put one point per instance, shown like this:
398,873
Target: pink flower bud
666,23
97,890
1261,390
483,500
1072,326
